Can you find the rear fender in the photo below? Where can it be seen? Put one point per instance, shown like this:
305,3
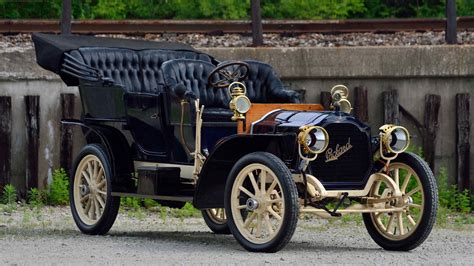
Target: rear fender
213,177
117,149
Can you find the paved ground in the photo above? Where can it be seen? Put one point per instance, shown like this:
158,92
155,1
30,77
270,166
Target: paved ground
48,236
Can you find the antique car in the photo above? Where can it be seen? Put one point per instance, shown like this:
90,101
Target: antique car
167,122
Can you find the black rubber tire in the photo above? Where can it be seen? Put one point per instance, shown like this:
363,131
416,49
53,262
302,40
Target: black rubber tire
290,192
217,228
430,190
111,205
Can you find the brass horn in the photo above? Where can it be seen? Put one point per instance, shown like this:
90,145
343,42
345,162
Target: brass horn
339,95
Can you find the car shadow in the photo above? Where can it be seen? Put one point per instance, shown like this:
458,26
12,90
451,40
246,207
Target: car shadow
228,242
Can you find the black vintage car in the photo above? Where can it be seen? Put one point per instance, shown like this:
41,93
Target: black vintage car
167,122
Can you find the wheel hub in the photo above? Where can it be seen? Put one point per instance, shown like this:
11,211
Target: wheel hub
252,204
84,189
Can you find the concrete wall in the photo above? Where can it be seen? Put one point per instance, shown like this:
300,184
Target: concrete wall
413,71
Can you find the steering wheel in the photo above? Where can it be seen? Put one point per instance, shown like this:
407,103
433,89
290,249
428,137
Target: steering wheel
223,75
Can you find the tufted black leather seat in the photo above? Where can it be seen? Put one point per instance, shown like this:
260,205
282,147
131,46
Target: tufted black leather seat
264,85
136,71
193,75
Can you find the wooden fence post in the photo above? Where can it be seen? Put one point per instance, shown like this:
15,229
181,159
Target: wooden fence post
5,140
463,146
325,99
361,108
257,28
32,140
66,17
432,104
67,106
390,107
451,23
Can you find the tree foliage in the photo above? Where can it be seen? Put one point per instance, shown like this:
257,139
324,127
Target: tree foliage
231,9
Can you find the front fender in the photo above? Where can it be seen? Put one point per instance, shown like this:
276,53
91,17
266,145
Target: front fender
213,177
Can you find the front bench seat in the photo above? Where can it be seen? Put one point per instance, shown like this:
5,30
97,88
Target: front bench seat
264,85
193,75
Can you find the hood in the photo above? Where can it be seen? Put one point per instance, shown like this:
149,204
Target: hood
285,121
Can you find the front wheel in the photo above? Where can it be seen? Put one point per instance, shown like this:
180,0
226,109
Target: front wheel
407,229
261,202
93,208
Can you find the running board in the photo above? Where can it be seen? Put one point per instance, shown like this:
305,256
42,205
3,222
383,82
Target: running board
157,197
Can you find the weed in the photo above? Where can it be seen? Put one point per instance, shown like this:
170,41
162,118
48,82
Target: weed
59,188
37,197
150,203
130,203
450,197
9,195
186,211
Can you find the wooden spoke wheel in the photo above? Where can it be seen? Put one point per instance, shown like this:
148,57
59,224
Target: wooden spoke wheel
408,228
261,202
216,220
93,208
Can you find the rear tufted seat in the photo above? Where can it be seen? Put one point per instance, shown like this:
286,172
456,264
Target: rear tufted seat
136,71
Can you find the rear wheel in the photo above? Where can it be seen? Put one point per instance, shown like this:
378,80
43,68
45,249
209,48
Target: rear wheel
93,208
407,229
261,202
216,220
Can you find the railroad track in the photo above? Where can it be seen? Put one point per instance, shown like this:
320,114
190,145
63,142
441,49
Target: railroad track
232,26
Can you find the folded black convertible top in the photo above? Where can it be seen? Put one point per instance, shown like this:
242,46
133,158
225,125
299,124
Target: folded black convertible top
50,48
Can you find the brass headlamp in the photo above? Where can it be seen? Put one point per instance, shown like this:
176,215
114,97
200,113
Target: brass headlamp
339,95
313,139
240,103
393,139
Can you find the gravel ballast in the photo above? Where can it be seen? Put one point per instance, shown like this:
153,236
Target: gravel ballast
277,40
48,235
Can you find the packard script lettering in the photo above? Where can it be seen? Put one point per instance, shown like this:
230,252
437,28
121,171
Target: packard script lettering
338,151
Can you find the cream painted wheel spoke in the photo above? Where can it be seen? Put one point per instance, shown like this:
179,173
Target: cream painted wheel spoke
86,197
101,201
102,184
240,207
250,219
389,225
396,175
263,180
88,205
271,187
259,225
102,192
413,191
96,168
411,220
86,177
100,175
254,183
400,223
246,192
413,205
278,200
269,223
405,182
97,208
273,213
